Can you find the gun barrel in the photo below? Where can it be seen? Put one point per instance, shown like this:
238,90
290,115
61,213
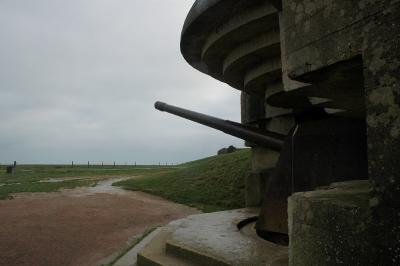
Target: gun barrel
261,137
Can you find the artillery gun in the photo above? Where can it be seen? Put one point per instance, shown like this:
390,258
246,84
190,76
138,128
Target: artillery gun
261,137
319,149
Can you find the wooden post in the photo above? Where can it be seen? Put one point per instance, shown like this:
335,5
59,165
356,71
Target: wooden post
88,164
12,168
72,164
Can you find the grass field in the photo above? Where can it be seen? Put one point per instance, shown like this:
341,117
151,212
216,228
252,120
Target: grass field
32,178
211,184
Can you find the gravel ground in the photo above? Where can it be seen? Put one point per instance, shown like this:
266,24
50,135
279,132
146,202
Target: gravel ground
78,226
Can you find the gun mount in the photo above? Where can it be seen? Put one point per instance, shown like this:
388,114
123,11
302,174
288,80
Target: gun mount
257,136
319,149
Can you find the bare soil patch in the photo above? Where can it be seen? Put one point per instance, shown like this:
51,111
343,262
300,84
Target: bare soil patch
78,226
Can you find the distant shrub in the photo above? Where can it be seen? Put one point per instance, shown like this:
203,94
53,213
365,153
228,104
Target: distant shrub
230,149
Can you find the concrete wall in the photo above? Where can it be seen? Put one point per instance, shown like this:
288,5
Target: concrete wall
320,34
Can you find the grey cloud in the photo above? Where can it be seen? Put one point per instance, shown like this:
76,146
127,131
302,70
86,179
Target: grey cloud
79,78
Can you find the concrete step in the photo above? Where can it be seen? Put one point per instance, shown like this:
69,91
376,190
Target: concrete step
130,257
154,254
176,249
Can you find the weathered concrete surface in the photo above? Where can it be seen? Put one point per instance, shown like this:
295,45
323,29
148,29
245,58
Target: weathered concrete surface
273,111
320,34
263,159
381,49
154,253
341,223
336,222
211,239
206,23
130,257
217,236
255,187
382,82
252,108
263,162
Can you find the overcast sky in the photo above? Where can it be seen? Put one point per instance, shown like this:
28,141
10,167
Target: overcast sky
79,79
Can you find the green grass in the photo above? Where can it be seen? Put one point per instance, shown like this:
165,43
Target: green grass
33,173
27,177
210,184
8,189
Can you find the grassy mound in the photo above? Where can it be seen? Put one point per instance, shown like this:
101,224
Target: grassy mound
210,184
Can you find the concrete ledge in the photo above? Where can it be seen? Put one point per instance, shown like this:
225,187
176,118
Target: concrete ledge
130,258
239,25
216,236
153,252
257,78
332,226
215,29
247,53
189,254
211,239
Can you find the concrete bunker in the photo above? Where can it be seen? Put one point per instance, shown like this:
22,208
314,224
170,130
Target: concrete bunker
323,74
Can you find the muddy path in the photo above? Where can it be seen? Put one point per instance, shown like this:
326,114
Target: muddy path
81,226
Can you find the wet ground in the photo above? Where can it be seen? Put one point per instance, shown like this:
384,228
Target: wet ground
80,226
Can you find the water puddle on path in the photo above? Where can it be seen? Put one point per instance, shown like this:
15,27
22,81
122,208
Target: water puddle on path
57,180
103,186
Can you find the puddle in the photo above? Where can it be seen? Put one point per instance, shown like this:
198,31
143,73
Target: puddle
57,180
9,184
105,186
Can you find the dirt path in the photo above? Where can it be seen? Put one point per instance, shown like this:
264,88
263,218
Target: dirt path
78,226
